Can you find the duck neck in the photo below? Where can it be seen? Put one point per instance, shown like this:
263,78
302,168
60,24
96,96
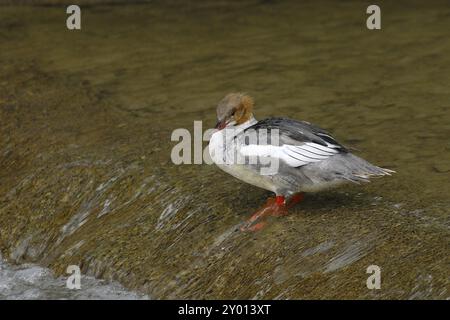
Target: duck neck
251,121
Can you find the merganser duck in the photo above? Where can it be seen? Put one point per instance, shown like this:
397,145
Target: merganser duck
307,158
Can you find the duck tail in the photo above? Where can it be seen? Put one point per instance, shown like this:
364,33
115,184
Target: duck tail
357,170
362,169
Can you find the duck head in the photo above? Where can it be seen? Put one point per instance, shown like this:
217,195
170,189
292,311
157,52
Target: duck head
234,109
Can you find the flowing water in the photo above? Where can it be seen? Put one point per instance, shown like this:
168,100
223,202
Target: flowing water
29,281
86,119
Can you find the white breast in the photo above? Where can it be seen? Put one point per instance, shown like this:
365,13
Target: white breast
222,149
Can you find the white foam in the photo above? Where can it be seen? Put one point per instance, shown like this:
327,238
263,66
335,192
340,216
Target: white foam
29,282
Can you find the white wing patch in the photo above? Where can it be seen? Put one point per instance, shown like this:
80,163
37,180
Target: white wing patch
293,155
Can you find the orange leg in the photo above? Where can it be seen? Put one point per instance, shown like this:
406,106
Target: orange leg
273,207
296,198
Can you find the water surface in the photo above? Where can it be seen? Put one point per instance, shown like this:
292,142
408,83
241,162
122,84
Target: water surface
29,281
86,118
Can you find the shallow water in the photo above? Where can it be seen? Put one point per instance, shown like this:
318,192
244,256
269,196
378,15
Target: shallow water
86,118
29,281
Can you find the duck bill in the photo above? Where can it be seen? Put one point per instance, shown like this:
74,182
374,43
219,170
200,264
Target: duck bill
220,125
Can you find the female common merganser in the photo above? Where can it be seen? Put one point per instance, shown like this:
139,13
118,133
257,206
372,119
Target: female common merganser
287,157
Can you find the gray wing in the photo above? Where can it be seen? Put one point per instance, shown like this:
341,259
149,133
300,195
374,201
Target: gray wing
297,143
